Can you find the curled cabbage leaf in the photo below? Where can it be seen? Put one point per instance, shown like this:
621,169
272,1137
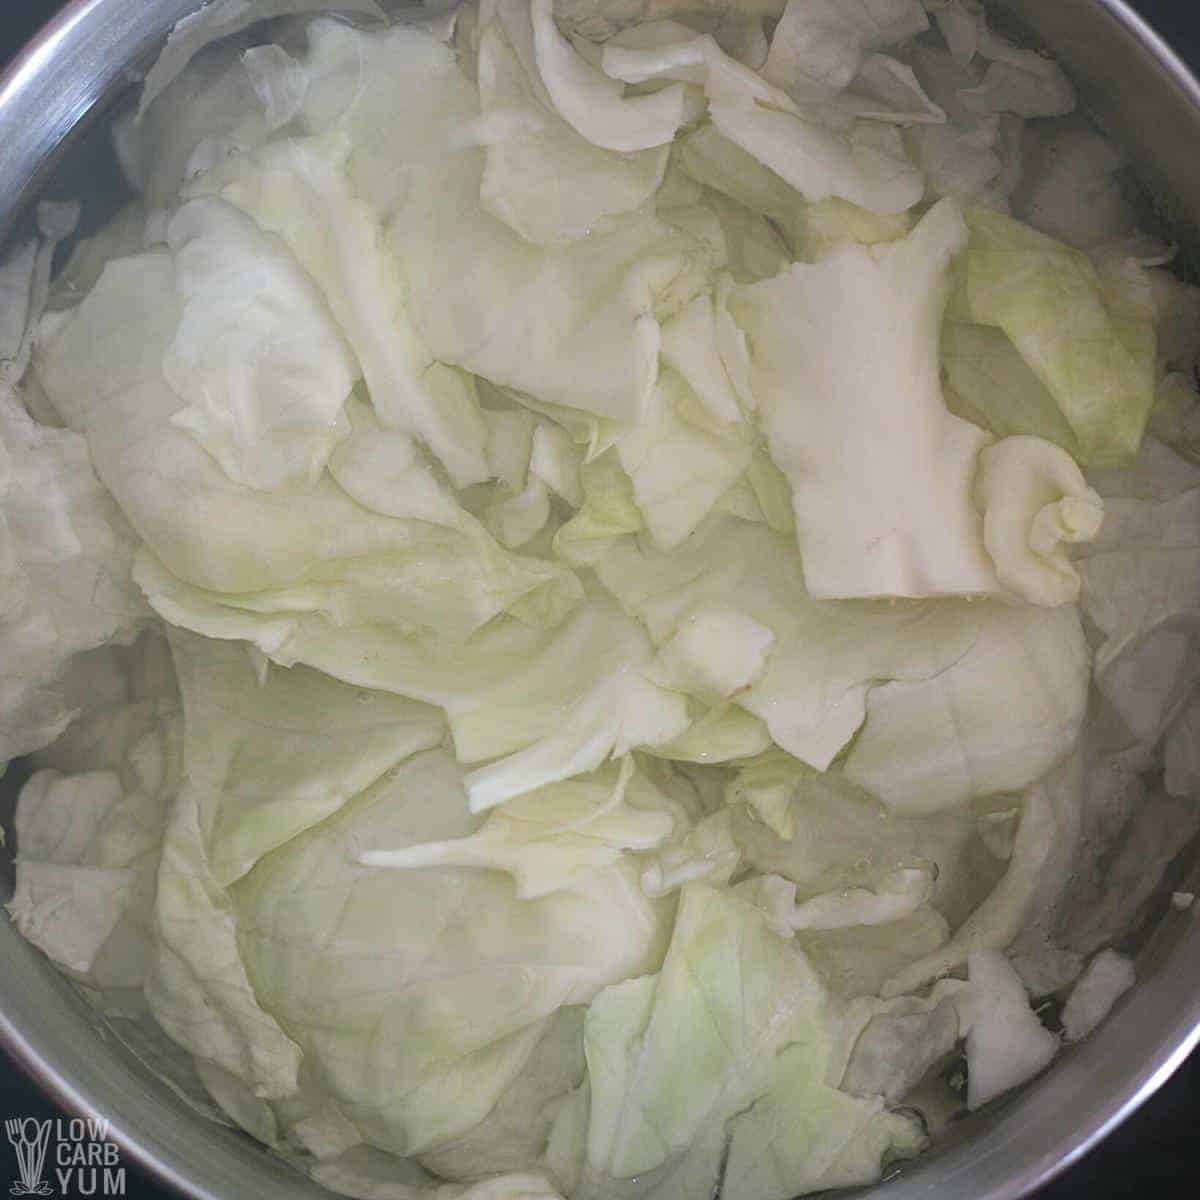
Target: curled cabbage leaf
1035,505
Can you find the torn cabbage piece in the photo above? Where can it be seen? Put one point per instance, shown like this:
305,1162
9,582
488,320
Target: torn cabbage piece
845,367
591,102
826,655
1006,1043
1107,978
256,356
995,720
672,1057
867,164
315,549
542,177
819,46
465,992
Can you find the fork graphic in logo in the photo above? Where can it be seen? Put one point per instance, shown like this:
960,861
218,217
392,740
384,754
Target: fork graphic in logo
29,1139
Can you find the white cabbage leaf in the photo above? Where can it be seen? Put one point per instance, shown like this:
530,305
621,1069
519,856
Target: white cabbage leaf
207,114
1107,978
826,655
575,326
678,468
1140,572
1141,590
1006,1043
503,689
1019,81
268,758
962,161
901,1043
897,895
128,689
542,177
88,854
1008,77
885,89
716,651
599,20
819,46
279,82
839,839
609,511
461,978
552,838
1139,839
764,783
591,102
299,189
997,719
257,359
711,159
623,711
299,747
25,287
516,1131
555,459
705,853
880,477
1041,861
65,558
754,249
514,520
722,734
121,237
1159,473
690,348
356,82
960,22
856,962
806,1136
833,221
865,164
316,549
509,445
219,19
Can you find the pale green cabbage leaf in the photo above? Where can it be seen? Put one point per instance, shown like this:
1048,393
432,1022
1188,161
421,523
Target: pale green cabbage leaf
1000,717
735,1023
1085,339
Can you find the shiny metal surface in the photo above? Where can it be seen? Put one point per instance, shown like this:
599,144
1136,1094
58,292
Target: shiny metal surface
1149,101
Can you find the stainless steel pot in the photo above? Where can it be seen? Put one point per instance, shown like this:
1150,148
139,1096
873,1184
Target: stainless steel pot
1149,102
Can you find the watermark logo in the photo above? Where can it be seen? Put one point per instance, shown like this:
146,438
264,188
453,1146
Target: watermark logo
65,1158
29,1139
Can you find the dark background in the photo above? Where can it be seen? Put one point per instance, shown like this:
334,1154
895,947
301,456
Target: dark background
1154,1154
